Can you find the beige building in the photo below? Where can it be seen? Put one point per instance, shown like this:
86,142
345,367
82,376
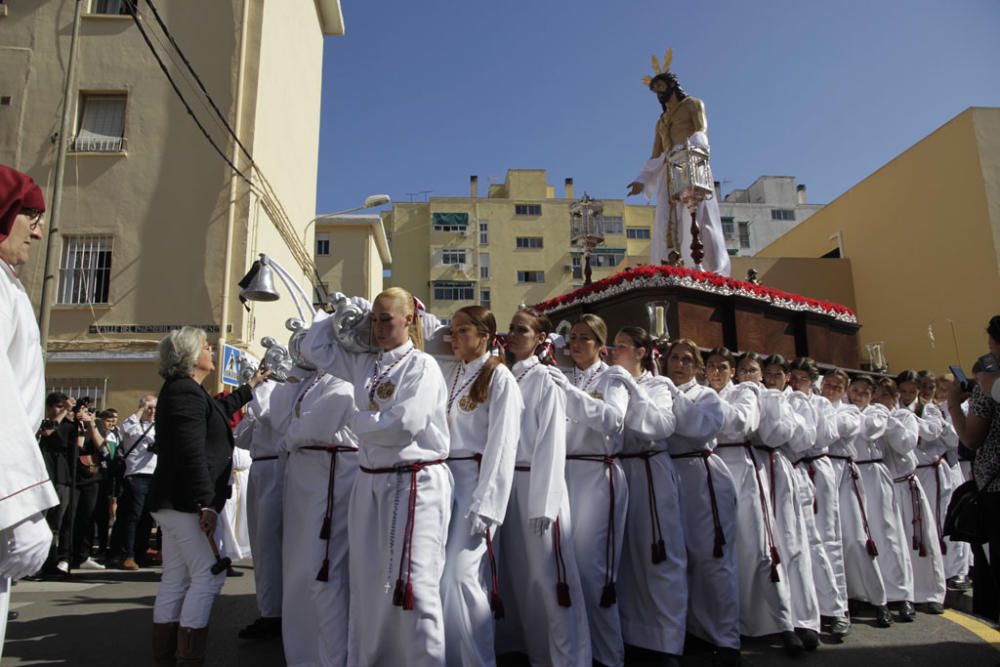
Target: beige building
352,253
155,230
510,247
922,236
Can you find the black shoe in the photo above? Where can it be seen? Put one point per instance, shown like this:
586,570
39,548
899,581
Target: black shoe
793,645
905,612
932,608
726,657
840,627
262,628
231,572
959,583
810,638
883,617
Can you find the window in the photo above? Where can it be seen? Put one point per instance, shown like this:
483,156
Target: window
601,260
639,233
527,209
484,266
116,7
612,224
323,243
453,291
101,124
92,388
484,232
450,222
484,298
782,214
320,292
85,270
449,256
728,227
577,267
529,242
531,276
744,234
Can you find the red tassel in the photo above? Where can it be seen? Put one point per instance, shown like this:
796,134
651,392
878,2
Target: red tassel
944,548
916,545
872,549
324,532
775,561
562,594
408,597
397,594
923,550
324,571
496,605
608,594
659,552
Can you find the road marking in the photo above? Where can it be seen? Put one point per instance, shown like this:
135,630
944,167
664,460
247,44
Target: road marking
982,630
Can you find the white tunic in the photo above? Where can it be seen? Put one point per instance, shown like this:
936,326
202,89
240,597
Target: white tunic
598,496
319,477
884,518
787,424
402,426
533,567
709,511
233,518
765,604
652,597
483,452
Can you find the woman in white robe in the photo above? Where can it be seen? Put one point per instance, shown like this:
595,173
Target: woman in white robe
319,477
861,569
484,413
765,603
545,615
596,402
821,507
884,518
788,428
233,519
652,597
401,503
708,507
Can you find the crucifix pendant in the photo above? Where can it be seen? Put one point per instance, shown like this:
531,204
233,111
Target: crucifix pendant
387,587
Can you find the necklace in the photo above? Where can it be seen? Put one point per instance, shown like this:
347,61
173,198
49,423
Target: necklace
467,405
380,385
590,378
526,371
298,401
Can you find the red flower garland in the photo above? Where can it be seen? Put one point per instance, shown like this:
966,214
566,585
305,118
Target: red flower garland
774,296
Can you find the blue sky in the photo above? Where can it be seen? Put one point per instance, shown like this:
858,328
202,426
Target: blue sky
418,95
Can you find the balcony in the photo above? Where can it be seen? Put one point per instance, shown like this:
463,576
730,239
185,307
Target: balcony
98,145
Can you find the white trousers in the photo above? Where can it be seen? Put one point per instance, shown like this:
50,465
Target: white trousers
535,623
187,586
590,502
380,632
315,613
861,569
886,525
927,563
652,595
828,547
264,498
765,605
713,583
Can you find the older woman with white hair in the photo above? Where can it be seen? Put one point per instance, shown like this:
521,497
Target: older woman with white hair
194,445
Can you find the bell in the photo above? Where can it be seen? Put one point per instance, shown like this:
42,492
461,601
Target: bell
261,288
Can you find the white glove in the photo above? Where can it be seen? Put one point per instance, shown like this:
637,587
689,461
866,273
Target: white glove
558,377
479,524
540,524
24,547
623,376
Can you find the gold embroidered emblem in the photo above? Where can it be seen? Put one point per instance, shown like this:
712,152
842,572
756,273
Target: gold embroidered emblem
372,405
385,390
598,395
468,404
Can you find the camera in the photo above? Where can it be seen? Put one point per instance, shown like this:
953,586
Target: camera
986,364
49,424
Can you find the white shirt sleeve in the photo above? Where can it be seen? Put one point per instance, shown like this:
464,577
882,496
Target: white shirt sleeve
496,470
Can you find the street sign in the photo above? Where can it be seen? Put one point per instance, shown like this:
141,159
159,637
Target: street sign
230,370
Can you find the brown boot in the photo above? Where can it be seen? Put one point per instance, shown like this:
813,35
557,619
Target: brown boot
191,644
164,644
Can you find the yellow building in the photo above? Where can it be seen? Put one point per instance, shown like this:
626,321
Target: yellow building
155,231
352,252
510,247
922,235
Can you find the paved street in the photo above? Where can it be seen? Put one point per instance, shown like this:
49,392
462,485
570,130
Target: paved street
103,619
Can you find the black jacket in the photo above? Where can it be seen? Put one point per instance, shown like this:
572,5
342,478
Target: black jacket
194,446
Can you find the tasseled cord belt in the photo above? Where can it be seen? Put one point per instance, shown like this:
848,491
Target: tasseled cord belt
324,531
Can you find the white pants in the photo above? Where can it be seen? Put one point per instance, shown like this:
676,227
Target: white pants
886,525
652,597
264,498
534,622
830,546
927,569
381,633
590,503
187,586
713,584
315,613
861,569
765,605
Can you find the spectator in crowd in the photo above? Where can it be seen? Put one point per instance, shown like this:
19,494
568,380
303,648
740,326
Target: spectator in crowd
76,533
130,535
110,485
54,438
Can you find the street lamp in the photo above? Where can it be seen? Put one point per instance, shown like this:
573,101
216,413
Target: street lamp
586,229
371,201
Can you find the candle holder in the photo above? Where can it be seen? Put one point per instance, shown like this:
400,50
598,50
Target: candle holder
586,229
657,312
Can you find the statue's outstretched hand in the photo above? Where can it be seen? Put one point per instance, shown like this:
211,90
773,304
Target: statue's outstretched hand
634,188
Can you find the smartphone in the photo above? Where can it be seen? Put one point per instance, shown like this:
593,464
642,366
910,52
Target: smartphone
961,379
